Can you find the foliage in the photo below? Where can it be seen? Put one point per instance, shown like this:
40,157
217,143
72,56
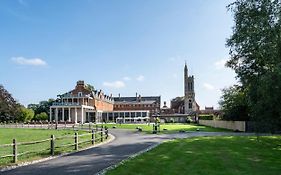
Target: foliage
43,106
189,119
41,117
90,87
25,115
234,104
206,117
157,120
255,50
9,107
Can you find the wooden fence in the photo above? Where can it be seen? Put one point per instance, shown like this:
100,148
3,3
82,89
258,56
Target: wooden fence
49,125
97,135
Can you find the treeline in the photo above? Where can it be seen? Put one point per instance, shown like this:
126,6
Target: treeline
12,111
255,56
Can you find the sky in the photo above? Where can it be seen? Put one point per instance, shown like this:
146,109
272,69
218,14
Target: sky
120,46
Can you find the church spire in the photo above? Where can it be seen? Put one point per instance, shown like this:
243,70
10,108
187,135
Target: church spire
185,70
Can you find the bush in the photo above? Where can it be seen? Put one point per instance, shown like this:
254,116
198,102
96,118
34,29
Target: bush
25,114
41,116
206,117
189,119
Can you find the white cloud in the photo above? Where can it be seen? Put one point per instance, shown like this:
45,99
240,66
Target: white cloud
140,78
31,61
220,64
126,78
115,84
208,86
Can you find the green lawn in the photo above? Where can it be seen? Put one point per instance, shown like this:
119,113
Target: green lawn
171,128
28,135
209,155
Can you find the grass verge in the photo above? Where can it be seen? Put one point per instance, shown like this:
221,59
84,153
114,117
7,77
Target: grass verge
38,150
169,128
209,155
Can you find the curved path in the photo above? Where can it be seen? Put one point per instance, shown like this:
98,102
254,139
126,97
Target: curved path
96,159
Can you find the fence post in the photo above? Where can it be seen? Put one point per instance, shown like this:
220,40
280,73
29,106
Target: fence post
101,135
15,151
76,141
106,133
93,136
52,145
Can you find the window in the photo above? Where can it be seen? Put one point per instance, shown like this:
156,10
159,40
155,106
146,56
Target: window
80,94
190,104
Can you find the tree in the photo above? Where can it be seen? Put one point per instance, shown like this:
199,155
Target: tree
42,116
43,106
255,50
25,114
9,107
90,87
234,104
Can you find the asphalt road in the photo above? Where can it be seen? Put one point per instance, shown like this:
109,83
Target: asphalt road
96,159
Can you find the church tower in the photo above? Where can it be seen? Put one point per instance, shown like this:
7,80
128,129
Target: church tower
189,94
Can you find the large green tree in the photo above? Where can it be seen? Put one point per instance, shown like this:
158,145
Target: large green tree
41,117
234,104
25,115
43,106
255,50
9,107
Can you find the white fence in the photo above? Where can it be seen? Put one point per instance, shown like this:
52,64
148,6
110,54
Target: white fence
233,125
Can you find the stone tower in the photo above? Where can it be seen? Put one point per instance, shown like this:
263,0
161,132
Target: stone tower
189,94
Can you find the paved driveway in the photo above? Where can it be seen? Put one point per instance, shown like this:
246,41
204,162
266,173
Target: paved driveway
96,159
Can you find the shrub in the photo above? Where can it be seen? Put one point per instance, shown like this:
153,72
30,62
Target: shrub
206,117
41,116
189,119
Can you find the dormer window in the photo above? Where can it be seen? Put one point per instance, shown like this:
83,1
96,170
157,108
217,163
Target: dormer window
80,94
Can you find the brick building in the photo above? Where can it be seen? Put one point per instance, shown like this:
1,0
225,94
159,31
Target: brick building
81,105
85,105
150,103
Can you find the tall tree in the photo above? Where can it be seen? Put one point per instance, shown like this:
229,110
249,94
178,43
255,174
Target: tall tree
9,108
255,49
43,106
25,115
234,104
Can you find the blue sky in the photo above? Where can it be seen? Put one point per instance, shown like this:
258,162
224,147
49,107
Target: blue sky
119,46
